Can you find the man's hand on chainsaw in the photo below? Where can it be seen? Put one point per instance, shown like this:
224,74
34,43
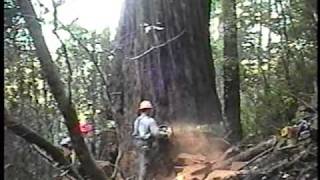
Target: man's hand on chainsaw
165,131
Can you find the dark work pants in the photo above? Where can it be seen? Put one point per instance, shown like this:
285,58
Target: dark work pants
144,163
144,150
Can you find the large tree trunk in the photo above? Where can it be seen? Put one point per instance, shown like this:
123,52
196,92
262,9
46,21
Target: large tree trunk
231,70
171,66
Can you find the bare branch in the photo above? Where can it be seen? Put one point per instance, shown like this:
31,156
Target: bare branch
114,114
93,59
64,47
7,166
110,106
116,165
302,101
257,157
73,21
64,170
34,139
157,46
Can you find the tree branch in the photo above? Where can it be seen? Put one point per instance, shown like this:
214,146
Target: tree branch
34,139
302,101
93,59
116,165
67,109
64,169
157,46
64,47
114,114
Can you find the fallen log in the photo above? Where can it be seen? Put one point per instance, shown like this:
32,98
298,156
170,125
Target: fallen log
244,156
288,163
252,152
272,169
248,154
238,165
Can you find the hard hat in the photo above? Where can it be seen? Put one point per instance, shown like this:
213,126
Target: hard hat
65,141
86,127
145,105
83,128
284,131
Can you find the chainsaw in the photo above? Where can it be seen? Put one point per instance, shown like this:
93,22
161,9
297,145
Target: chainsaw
290,135
165,131
299,131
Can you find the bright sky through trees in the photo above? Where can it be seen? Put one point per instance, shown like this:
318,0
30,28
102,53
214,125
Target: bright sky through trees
92,15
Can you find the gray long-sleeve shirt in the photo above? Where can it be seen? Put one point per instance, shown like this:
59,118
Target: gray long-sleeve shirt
145,127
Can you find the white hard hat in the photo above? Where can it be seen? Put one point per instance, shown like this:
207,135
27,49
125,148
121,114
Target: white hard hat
145,105
65,141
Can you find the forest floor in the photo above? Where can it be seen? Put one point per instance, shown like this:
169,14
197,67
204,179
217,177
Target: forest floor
274,158
270,159
284,155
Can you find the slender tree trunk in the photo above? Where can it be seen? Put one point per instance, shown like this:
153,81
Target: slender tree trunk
270,9
231,70
51,74
168,62
310,11
285,50
259,55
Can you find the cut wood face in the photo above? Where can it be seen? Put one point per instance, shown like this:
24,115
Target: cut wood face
221,174
188,172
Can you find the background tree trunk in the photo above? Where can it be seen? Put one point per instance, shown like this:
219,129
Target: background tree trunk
166,58
231,70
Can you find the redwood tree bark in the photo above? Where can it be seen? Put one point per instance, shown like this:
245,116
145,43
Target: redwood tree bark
165,57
